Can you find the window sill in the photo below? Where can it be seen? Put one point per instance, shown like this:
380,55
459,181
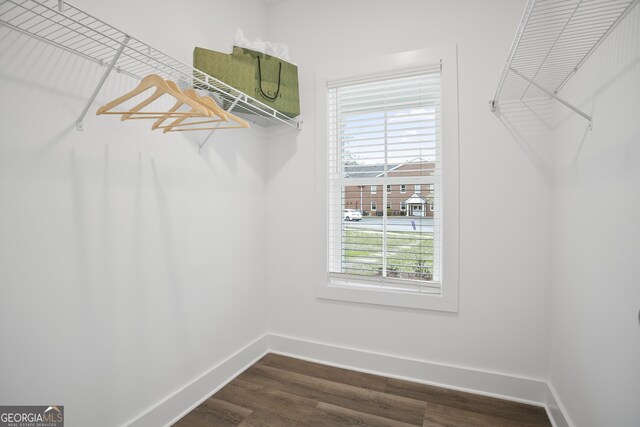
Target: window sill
372,293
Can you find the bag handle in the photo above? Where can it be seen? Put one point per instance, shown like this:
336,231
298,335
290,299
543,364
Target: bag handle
274,97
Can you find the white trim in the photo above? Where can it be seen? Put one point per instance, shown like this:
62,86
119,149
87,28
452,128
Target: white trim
168,411
493,384
555,409
485,383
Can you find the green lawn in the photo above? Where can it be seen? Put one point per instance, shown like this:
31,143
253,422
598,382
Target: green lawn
409,253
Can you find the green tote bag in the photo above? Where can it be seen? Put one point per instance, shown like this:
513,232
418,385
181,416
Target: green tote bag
215,64
268,79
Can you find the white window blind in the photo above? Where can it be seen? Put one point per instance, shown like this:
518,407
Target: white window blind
385,131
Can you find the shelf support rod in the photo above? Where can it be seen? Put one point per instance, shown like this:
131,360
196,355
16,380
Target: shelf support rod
201,146
524,21
233,105
61,6
79,122
554,96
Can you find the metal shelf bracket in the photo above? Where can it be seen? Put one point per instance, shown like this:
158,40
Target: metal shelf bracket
80,121
201,145
556,97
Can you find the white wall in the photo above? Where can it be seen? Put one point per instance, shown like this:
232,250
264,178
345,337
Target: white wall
502,322
595,345
129,263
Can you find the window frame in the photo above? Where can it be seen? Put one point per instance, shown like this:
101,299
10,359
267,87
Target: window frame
366,291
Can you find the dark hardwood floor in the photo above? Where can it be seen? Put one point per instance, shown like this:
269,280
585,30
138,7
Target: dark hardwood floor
281,391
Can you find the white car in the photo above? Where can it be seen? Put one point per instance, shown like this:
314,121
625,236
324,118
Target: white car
351,215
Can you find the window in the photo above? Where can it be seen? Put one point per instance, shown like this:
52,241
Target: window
386,129
417,188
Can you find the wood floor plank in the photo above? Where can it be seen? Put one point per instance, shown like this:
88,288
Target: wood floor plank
325,372
239,393
264,418
513,411
214,412
337,415
281,391
266,399
247,394
397,408
446,416
277,407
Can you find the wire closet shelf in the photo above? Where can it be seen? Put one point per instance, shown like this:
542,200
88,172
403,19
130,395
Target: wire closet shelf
553,40
67,27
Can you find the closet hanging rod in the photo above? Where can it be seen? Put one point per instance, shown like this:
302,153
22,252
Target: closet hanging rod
554,39
58,23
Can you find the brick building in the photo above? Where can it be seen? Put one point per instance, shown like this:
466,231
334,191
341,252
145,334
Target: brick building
402,200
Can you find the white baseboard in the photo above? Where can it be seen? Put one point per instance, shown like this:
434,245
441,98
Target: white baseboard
464,379
525,390
174,407
556,411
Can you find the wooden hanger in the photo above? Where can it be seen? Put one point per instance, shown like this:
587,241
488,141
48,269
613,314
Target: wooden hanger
162,87
178,125
217,111
201,107
135,114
